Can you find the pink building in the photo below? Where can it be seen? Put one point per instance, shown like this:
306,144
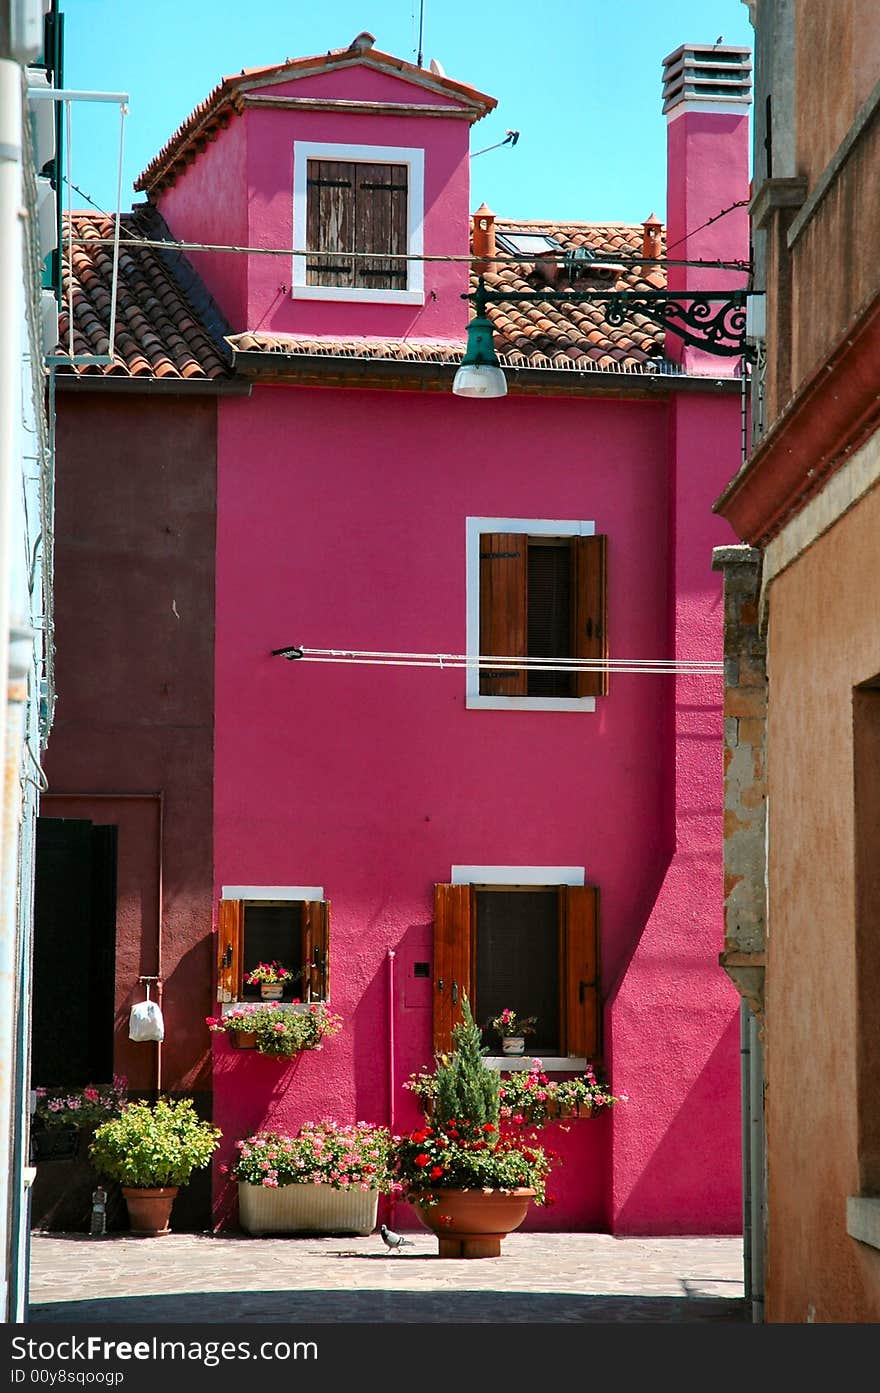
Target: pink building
549,840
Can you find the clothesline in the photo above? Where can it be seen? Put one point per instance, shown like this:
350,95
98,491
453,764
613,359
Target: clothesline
507,662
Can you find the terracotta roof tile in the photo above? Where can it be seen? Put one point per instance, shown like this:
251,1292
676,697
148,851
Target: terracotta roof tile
164,316
168,327
545,334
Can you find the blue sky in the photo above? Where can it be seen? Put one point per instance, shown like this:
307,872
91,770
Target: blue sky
579,79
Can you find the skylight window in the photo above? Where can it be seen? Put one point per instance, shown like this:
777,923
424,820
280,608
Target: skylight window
526,244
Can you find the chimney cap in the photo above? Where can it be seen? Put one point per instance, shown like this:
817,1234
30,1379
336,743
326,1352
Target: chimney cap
484,211
652,221
707,73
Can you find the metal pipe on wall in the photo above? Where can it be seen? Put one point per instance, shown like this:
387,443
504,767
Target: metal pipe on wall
756,1166
392,1080
746,1141
11,253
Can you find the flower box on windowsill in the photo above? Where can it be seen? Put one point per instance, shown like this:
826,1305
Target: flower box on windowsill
242,1039
310,1208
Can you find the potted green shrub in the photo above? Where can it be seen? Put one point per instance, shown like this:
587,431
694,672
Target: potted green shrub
468,1183
326,1179
152,1149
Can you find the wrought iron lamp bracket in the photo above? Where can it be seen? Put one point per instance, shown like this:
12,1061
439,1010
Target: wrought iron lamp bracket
714,320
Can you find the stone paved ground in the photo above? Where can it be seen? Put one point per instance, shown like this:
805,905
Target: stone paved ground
563,1277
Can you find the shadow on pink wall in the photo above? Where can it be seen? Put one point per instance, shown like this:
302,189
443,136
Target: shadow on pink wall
680,1175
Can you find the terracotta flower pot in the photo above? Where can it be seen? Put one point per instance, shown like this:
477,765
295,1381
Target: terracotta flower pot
243,1039
472,1223
149,1210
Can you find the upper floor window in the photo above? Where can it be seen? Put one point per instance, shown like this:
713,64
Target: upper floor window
362,206
536,589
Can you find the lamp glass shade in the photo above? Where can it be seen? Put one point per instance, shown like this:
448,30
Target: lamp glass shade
479,380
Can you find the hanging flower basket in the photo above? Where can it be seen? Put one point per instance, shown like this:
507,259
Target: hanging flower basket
277,1029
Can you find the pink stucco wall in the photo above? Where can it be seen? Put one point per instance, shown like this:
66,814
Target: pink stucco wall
210,206
708,172
341,523
240,190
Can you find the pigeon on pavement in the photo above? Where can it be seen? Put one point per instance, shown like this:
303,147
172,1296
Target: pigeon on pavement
394,1241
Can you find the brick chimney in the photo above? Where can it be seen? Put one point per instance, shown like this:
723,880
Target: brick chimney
706,100
651,229
483,239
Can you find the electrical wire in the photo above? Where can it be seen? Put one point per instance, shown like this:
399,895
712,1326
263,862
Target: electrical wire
168,244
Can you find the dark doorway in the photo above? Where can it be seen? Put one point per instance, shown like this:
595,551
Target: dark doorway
74,953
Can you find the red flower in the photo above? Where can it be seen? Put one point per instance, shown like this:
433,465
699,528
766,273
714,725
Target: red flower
436,1172
421,1159
418,1137
488,1127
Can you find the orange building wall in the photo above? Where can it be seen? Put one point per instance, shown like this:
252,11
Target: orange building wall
824,639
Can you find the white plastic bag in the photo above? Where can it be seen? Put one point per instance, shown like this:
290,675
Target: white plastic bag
145,1021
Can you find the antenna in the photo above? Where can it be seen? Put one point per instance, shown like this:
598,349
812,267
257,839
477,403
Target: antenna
421,31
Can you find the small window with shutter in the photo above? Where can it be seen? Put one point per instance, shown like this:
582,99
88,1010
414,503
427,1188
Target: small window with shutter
358,222
540,596
295,933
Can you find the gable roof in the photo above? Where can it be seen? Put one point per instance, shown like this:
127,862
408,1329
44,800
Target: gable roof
228,99
169,327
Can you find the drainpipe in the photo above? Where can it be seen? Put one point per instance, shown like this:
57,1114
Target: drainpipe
746,1140
756,1166
10,414
392,1081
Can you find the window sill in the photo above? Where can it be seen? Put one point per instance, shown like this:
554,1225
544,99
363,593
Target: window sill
502,703
228,1007
863,1219
357,294
550,1064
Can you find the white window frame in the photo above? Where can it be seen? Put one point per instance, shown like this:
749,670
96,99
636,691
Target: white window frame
534,527
414,159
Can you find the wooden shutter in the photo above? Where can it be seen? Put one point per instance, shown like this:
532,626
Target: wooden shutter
316,951
503,610
590,610
230,943
380,225
579,940
330,220
453,958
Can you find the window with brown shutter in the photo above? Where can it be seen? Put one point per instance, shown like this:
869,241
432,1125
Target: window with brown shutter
352,206
534,948
542,597
295,932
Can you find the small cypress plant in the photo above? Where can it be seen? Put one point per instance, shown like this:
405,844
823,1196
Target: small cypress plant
466,1090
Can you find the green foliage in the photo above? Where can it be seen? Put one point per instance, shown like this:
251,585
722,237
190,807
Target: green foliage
465,1087
151,1145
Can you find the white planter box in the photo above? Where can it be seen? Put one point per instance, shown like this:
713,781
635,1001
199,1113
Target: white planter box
306,1209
